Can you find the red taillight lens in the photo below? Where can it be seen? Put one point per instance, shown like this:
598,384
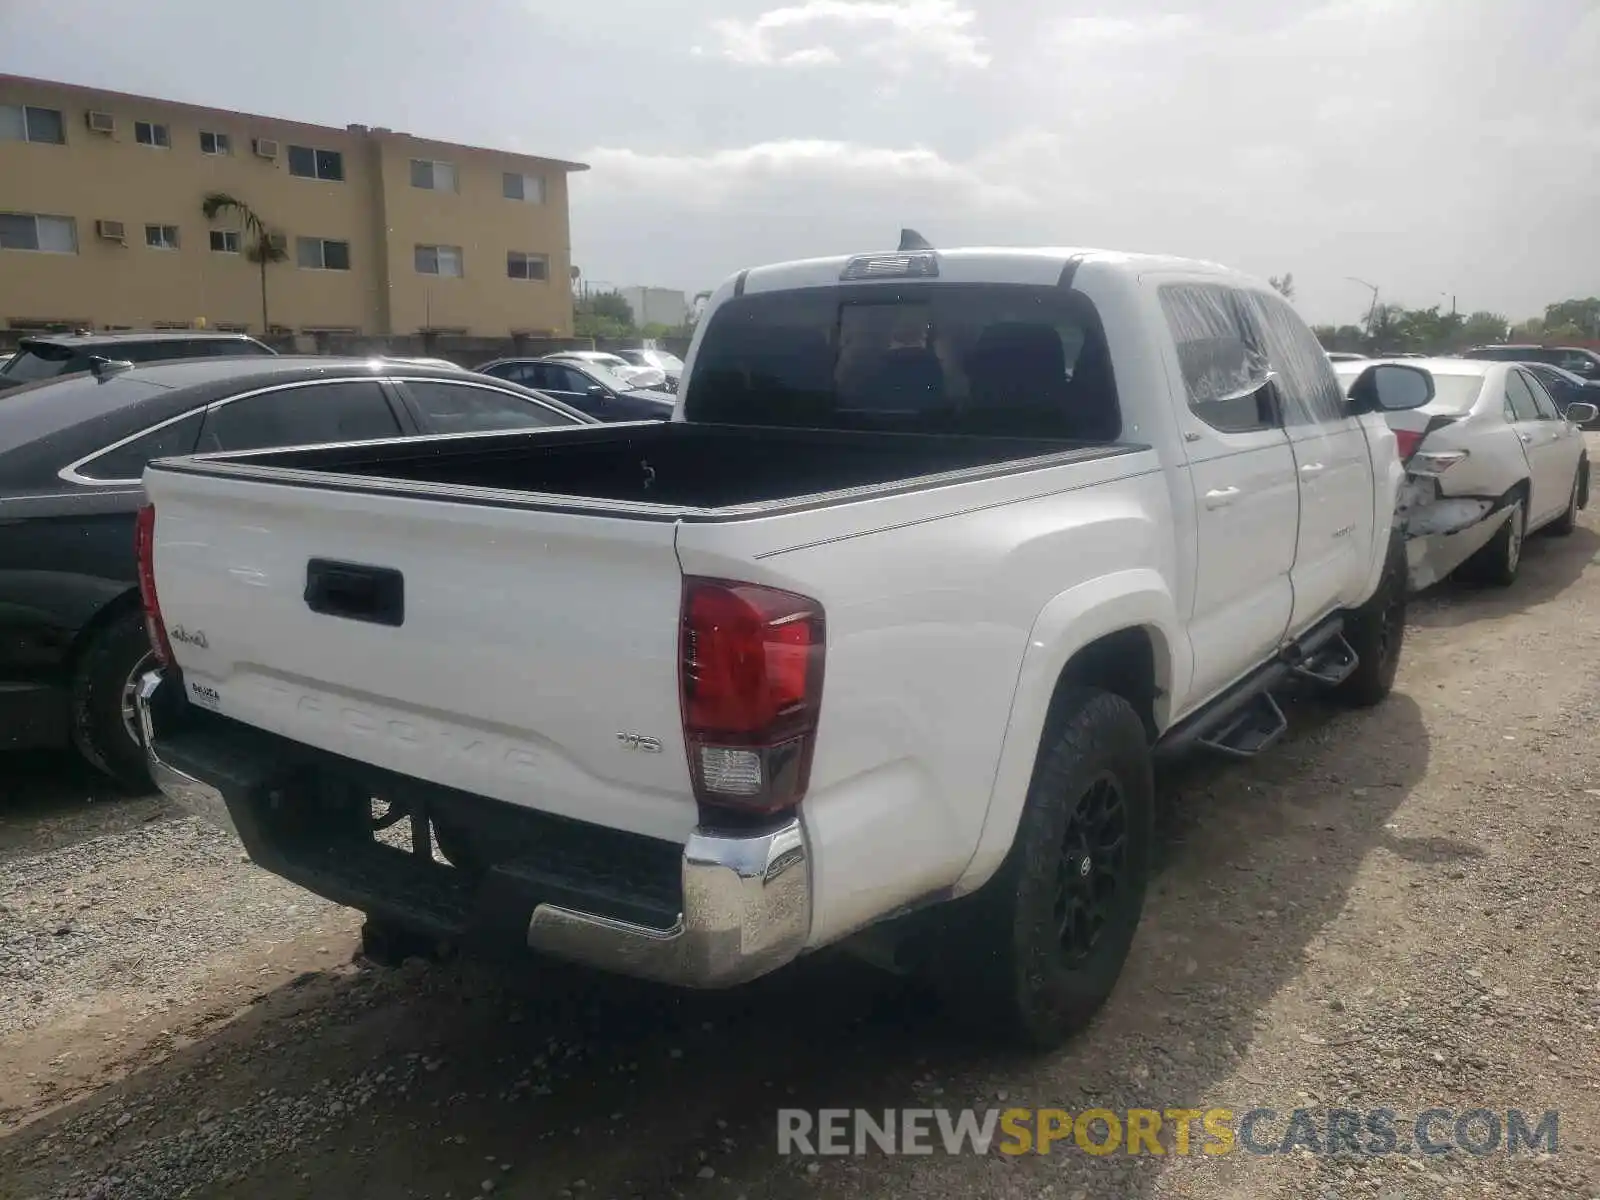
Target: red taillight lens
751,679
144,548
1406,442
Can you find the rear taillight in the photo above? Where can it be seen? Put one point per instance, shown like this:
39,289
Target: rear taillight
1406,442
750,672
144,547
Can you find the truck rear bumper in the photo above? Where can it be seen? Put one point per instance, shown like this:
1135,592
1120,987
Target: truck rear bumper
743,910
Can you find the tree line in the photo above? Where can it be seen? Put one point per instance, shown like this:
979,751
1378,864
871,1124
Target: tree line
1395,329
609,315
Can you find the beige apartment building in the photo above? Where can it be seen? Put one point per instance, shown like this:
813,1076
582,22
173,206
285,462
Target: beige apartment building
101,223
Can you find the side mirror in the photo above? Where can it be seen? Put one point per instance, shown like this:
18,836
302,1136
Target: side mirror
594,389
1581,413
1390,387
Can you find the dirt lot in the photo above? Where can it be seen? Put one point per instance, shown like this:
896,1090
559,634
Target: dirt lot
1395,909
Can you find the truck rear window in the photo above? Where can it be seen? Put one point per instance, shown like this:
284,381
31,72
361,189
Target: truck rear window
988,359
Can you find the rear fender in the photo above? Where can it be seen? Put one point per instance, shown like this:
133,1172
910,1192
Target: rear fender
1078,617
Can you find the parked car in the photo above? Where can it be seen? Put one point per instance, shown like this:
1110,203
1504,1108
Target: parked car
670,365
72,640
1577,359
855,635
1489,460
1345,356
598,362
46,356
1564,387
600,394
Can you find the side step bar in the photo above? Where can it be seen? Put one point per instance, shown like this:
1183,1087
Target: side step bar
1246,719
1250,730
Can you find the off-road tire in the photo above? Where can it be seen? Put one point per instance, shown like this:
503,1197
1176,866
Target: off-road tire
1568,521
1497,562
115,655
1377,632
999,952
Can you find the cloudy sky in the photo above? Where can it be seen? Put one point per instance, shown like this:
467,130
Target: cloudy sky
1429,146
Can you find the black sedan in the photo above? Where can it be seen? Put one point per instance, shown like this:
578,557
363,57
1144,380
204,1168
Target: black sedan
1564,387
603,396
72,452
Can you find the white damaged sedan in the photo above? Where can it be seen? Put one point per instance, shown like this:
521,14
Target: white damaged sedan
1489,460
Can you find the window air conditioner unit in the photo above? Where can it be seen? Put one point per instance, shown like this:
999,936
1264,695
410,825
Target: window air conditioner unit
100,122
265,147
112,231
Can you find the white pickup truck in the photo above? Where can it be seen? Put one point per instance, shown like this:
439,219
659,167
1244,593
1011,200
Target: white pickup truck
874,643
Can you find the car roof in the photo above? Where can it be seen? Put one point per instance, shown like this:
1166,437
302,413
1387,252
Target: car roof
116,337
46,424
1042,265
1435,366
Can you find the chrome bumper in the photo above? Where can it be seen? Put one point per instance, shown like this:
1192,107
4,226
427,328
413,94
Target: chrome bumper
746,911
746,899
189,793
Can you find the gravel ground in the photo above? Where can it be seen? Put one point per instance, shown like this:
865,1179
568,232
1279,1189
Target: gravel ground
1394,909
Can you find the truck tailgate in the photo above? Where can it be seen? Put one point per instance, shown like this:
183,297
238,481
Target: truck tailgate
500,651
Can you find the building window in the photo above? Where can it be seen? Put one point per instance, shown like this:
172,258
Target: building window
524,187
434,176
215,143
310,163
439,260
322,254
527,266
25,123
30,231
148,133
225,241
161,237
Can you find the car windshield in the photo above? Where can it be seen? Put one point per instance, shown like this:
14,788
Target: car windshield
38,361
609,373
1452,393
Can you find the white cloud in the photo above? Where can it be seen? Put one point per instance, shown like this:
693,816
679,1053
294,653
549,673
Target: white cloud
1096,32
774,169
821,32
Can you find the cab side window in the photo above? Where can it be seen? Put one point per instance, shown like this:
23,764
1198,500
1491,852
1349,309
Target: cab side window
1519,399
1541,399
1225,373
1304,377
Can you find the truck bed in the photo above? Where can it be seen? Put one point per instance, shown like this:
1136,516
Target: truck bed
669,470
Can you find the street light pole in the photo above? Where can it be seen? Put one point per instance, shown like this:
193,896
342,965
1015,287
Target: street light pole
1373,288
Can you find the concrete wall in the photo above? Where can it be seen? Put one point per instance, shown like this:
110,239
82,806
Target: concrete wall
652,306
97,176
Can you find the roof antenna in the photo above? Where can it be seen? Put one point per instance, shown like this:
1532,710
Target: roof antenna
910,239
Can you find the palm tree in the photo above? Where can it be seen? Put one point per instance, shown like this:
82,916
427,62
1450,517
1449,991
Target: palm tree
262,245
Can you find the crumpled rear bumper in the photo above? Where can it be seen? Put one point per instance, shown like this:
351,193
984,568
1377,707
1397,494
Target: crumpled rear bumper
1441,531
